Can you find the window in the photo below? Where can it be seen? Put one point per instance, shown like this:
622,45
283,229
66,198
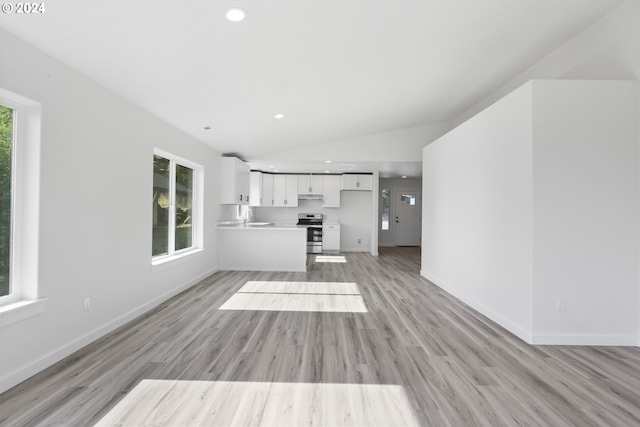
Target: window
408,199
386,209
20,120
175,205
6,197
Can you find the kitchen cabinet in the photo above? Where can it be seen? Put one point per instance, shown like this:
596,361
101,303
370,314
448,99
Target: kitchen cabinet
351,182
285,190
331,185
261,189
234,188
309,184
267,189
330,237
255,188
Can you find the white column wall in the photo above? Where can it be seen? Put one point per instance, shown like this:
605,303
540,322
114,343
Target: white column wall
477,207
585,244
574,240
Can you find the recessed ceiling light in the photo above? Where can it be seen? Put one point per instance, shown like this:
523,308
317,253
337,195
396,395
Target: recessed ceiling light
272,166
279,116
327,172
327,161
404,176
276,170
236,14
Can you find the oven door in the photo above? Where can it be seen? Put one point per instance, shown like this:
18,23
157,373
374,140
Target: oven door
314,239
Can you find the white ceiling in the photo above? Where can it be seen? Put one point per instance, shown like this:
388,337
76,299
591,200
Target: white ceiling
335,68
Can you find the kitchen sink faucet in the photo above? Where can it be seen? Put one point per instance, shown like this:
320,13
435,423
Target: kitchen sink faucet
246,215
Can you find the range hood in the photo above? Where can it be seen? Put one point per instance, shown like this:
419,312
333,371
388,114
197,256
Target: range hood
309,196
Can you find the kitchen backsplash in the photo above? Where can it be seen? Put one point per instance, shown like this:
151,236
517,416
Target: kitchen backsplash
290,215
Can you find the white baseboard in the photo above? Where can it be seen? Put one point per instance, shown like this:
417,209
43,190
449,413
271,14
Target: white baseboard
594,340
510,326
14,378
528,336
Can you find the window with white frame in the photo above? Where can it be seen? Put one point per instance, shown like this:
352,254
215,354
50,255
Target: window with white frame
176,200
20,120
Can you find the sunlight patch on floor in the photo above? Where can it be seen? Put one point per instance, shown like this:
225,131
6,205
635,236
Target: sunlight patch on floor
342,297
275,287
296,302
224,403
331,258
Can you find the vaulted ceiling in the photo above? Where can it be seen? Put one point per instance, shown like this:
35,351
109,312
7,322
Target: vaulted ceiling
336,69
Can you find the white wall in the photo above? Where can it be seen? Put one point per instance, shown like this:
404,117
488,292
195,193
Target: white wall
95,216
609,49
476,215
536,200
586,208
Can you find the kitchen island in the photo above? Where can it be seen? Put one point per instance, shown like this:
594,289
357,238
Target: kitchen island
262,247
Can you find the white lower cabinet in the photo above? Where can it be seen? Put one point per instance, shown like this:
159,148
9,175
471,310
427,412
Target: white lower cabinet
330,237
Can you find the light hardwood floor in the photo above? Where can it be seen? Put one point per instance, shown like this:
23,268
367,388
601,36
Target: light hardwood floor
454,366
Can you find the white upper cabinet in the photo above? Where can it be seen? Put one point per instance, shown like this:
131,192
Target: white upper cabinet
309,184
285,190
357,182
255,188
261,189
267,190
331,191
234,188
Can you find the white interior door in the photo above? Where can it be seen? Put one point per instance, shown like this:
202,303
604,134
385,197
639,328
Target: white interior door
408,214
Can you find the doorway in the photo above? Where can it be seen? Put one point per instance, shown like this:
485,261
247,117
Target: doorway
407,209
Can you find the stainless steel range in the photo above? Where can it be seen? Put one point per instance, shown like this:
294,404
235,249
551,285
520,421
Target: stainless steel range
313,223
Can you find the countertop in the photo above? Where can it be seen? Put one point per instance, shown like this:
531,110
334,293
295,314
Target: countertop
235,225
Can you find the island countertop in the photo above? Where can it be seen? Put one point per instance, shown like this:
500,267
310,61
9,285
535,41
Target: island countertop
262,247
232,225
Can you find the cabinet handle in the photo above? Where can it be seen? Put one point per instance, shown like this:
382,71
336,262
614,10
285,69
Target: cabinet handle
241,197
310,190
357,185
285,201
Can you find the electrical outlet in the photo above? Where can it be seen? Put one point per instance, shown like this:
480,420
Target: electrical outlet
87,304
561,306
359,241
